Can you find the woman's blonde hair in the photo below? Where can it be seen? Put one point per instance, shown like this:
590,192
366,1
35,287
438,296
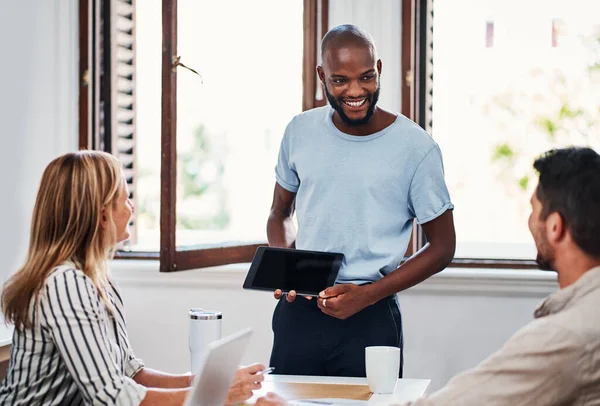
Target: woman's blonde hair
76,191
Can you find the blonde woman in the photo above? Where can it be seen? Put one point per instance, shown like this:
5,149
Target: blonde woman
70,344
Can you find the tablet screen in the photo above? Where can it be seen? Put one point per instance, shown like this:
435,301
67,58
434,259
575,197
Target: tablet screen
289,269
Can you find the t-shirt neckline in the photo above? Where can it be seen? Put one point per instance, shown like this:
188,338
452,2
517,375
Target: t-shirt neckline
356,138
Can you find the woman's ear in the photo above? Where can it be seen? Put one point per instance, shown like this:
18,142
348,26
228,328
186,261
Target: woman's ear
103,219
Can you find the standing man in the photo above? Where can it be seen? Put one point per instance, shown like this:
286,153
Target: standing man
358,176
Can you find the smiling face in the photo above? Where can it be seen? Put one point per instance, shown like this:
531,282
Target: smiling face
350,75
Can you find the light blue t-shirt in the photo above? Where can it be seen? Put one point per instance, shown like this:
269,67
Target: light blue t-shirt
358,195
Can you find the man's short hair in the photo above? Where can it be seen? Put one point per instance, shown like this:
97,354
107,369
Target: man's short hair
346,34
569,184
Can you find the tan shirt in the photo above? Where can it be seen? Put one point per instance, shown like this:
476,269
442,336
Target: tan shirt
554,360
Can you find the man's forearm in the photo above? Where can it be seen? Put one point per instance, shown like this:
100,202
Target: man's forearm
156,379
281,231
425,263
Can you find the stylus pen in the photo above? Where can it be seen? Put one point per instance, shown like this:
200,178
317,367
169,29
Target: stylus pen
266,371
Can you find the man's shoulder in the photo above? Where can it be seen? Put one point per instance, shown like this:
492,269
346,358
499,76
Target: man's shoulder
555,330
312,116
574,321
407,136
309,123
413,133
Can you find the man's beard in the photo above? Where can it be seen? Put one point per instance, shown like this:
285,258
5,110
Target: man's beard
336,104
545,263
543,259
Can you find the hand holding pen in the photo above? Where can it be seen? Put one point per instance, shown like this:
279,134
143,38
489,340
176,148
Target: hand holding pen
266,371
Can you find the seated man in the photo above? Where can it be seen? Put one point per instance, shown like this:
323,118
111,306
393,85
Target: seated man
555,359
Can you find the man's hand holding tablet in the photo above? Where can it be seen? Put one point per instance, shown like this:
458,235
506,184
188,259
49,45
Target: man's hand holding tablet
290,297
292,271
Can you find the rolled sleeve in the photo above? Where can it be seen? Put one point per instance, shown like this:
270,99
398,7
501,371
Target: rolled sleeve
285,172
428,196
131,393
133,366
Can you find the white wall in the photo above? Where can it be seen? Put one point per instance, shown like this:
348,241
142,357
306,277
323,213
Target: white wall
38,108
451,322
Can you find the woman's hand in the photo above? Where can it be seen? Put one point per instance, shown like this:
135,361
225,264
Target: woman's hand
270,399
245,381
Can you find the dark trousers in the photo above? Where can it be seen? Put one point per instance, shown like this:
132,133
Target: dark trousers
309,342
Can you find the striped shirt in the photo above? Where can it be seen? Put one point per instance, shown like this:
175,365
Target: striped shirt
76,352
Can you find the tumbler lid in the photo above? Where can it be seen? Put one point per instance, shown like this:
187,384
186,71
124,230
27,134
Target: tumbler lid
201,314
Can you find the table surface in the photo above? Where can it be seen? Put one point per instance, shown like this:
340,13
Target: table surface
296,387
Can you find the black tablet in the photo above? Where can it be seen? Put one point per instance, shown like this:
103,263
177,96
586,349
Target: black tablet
306,272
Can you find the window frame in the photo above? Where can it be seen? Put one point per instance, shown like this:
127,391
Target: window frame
171,257
98,122
417,30
415,41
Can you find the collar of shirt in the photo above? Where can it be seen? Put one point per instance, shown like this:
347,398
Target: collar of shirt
562,299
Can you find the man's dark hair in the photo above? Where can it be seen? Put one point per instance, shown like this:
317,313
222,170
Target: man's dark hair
569,185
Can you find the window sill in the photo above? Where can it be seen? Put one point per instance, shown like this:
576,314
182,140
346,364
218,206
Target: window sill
469,280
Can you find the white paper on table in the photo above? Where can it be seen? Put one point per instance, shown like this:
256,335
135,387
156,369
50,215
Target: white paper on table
327,402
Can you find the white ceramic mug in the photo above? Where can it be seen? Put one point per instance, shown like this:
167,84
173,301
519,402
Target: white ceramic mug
383,367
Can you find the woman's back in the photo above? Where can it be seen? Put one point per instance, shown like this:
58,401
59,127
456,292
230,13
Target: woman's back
75,351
